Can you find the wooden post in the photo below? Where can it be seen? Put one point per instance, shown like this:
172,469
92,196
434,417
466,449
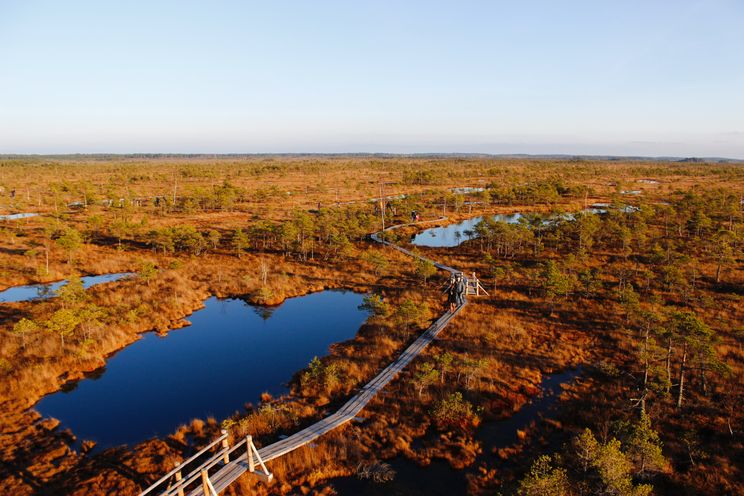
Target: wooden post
382,206
205,483
249,446
265,476
175,188
225,446
179,477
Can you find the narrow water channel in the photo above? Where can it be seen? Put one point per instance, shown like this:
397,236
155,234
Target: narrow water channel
439,478
230,354
42,291
25,215
503,433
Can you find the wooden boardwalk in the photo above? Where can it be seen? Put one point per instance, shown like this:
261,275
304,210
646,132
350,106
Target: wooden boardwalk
229,470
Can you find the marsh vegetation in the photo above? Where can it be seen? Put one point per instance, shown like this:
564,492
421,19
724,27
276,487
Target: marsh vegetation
645,297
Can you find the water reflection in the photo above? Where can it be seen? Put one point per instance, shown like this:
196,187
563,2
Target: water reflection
226,358
42,291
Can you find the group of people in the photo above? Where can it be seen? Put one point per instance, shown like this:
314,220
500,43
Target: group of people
456,290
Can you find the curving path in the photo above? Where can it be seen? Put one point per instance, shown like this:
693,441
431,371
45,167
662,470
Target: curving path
232,470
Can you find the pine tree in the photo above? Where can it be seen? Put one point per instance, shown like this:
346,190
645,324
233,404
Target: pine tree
23,327
425,375
73,293
545,479
644,447
239,242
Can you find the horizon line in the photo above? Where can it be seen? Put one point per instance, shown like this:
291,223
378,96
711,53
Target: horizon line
657,158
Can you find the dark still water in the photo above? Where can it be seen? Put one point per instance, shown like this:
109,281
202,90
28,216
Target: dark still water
41,291
503,433
439,478
230,354
436,479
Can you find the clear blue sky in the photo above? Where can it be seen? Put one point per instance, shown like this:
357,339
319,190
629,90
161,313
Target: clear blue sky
644,77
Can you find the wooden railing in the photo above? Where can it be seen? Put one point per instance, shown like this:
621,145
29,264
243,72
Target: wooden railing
175,484
176,473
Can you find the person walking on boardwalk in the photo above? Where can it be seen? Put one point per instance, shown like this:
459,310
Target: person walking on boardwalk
451,291
461,289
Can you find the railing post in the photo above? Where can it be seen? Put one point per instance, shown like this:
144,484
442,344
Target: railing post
179,477
249,447
225,446
205,483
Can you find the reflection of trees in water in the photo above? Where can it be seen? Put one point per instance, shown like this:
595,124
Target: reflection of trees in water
44,291
94,376
264,312
69,386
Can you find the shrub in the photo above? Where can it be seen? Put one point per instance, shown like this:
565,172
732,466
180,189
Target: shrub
376,471
454,411
425,269
375,305
325,377
545,479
